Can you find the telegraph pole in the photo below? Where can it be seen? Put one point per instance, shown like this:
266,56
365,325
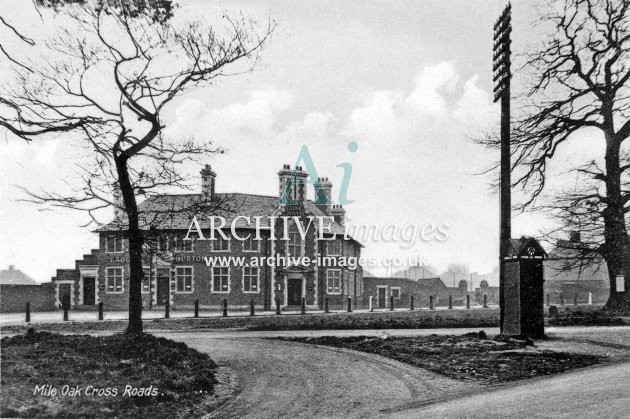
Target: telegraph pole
502,76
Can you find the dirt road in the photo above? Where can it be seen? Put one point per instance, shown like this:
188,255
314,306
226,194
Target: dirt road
284,379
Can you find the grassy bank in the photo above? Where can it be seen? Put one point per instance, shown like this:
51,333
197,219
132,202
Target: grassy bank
471,357
50,375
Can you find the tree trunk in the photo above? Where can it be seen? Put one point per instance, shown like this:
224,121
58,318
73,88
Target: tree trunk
616,240
135,248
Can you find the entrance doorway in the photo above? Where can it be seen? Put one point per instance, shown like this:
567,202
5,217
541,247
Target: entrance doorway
64,294
163,280
89,287
382,297
294,291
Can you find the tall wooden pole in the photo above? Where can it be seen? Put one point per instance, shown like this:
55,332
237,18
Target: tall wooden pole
502,76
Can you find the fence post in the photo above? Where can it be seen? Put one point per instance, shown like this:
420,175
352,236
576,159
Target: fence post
391,303
411,303
277,306
326,306
100,310
251,307
196,308
561,299
28,312
450,302
485,301
575,299
65,313
349,304
371,303
303,305
590,298
430,302
547,300
167,309
468,301
225,307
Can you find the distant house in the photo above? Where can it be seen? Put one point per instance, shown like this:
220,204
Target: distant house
491,294
566,281
14,276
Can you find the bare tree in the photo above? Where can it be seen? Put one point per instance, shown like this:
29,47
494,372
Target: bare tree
579,86
112,71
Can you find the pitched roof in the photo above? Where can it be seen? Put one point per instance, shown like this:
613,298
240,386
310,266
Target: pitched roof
14,276
423,282
175,212
523,246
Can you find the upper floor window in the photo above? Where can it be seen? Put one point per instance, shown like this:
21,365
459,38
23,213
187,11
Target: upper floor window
295,244
334,248
114,279
250,279
333,281
251,244
221,244
181,245
114,244
184,278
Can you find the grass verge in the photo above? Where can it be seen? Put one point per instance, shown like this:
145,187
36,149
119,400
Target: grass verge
470,357
102,377
418,319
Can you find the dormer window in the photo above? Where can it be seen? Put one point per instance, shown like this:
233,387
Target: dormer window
114,244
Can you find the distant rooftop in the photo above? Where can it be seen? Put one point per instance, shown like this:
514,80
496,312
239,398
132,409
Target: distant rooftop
14,276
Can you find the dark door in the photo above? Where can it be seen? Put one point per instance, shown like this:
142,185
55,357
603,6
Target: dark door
532,299
64,295
294,291
163,279
382,297
89,285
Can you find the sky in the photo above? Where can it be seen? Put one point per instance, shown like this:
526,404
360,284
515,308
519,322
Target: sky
409,82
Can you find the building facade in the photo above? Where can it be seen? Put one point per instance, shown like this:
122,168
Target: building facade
402,289
266,249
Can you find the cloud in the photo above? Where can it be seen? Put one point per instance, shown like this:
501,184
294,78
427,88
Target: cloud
427,96
256,116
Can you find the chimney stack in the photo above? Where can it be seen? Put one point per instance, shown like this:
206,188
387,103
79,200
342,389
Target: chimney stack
338,213
119,204
292,186
208,178
323,194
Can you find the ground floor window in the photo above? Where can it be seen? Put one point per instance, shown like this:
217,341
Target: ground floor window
114,277
396,293
250,279
220,279
184,278
333,281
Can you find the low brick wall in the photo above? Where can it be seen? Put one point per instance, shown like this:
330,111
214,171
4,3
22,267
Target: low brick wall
13,298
